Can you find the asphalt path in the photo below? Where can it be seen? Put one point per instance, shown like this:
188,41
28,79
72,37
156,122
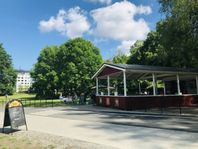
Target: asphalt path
143,119
115,128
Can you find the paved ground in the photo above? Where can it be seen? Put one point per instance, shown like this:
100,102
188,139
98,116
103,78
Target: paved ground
116,128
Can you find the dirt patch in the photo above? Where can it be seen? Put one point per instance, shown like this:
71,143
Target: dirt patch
13,142
37,140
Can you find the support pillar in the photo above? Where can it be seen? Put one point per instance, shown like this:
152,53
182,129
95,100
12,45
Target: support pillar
154,84
124,80
96,86
139,88
108,84
164,88
178,85
197,83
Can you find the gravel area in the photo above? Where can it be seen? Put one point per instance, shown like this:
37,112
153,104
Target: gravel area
57,142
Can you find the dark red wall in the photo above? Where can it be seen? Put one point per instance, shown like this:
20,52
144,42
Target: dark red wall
143,102
107,71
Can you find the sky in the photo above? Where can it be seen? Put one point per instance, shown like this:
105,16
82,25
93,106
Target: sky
28,26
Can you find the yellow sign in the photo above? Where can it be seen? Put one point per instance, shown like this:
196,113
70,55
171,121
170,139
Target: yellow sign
14,103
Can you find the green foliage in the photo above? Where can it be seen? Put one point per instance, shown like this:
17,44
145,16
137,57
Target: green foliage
108,61
179,32
149,52
67,68
78,61
44,73
135,57
175,41
7,73
23,88
120,58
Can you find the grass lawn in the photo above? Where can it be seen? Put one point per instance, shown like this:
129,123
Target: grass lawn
18,96
29,100
12,142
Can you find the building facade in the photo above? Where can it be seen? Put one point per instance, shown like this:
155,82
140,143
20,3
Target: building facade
24,81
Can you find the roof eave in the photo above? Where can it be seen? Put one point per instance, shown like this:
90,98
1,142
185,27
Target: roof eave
106,65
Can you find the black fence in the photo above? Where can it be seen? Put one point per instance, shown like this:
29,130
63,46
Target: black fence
45,102
37,102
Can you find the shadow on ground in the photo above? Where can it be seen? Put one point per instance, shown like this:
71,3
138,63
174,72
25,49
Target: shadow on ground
181,123
8,130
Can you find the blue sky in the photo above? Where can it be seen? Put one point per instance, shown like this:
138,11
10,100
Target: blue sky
27,26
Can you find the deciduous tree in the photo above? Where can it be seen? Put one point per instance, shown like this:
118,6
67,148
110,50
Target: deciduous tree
77,61
45,73
67,68
7,73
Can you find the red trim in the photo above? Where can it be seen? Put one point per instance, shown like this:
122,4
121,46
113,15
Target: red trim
107,71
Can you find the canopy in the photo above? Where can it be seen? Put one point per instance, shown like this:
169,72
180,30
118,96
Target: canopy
142,72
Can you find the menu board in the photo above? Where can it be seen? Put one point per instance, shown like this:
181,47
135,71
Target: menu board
14,114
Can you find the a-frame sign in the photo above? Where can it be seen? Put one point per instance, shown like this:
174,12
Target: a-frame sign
14,115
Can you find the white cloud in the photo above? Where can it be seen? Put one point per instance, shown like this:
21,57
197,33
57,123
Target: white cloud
72,23
113,22
144,10
117,22
101,1
125,46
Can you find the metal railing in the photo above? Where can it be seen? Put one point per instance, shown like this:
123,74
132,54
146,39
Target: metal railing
44,102
38,102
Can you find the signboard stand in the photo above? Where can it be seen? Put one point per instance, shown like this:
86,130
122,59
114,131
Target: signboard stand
14,115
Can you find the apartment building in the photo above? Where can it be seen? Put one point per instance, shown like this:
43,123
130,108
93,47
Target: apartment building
24,81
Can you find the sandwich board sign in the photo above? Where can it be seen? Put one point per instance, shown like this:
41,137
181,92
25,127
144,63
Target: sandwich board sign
14,115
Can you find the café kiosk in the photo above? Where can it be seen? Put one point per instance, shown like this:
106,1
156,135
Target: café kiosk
180,86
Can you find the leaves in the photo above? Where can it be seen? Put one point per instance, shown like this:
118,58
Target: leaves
7,73
175,41
179,32
120,58
67,68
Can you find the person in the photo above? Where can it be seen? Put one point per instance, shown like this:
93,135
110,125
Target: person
62,98
6,96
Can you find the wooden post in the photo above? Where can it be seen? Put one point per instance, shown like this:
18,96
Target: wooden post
124,80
